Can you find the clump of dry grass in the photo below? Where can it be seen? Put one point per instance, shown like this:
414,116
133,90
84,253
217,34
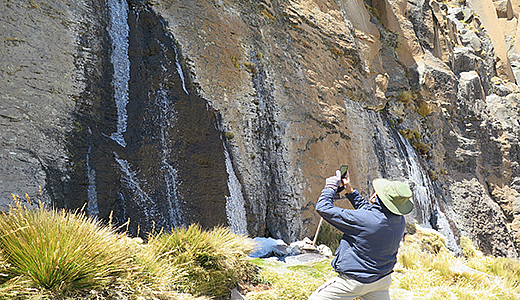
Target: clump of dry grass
428,270
209,262
51,254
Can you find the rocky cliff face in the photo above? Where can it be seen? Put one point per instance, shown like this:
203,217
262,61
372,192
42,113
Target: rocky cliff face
421,91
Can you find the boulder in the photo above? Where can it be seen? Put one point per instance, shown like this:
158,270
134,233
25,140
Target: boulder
303,259
504,9
464,60
236,295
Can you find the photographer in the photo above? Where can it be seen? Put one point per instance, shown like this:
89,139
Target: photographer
372,233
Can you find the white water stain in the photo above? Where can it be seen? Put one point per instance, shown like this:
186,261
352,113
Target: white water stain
139,196
167,119
179,70
424,197
235,203
119,31
92,200
422,189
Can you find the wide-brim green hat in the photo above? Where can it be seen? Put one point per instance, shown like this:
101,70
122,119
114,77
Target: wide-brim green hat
395,195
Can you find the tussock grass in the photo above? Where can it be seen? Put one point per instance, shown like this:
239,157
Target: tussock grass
427,270
210,262
59,252
50,254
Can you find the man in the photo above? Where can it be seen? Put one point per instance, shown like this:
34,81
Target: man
372,233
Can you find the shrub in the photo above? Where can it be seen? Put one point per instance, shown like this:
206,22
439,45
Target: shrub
208,262
414,138
424,108
405,96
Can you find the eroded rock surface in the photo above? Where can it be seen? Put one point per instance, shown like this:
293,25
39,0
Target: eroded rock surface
442,63
422,91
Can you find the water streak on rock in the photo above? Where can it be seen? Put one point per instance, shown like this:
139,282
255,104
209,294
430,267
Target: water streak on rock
235,203
179,70
92,204
119,31
133,185
424,197
167,119
422,190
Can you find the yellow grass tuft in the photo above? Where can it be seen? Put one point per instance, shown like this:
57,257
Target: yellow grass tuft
208,262
427,270
51,254
291,283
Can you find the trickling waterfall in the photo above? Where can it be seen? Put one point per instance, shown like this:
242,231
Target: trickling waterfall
92,204
137,194
167,119
147,150
172,194
119,32
179,70
235,210
422,189
424,197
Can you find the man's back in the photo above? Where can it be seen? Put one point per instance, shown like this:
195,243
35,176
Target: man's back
371,237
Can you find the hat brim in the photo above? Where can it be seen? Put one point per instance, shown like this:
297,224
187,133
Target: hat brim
379,186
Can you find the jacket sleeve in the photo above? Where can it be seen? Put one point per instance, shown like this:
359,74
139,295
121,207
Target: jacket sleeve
346,220
357,200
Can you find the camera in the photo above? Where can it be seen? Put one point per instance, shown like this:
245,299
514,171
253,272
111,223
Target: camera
343,169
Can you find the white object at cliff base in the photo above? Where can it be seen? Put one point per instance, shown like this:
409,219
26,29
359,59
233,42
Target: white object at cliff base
265,246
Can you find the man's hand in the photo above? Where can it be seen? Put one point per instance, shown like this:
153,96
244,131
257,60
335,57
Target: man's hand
334,181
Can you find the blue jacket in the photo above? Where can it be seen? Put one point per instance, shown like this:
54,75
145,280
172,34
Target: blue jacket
371,235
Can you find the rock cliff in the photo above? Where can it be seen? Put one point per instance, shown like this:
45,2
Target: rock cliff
261,101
